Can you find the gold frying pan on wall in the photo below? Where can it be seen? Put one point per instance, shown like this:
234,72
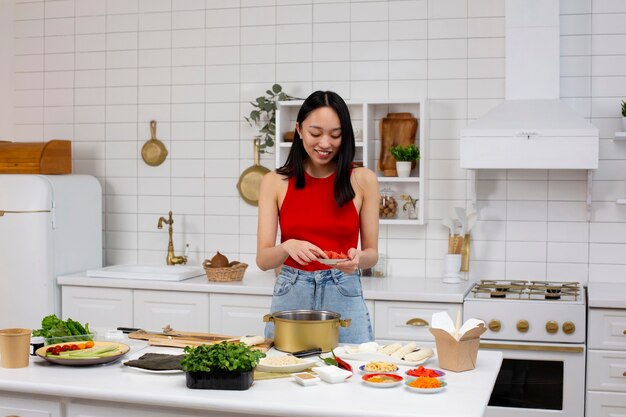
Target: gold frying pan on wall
153,151
249,184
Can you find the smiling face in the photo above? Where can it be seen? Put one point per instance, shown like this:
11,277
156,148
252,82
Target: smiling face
321,136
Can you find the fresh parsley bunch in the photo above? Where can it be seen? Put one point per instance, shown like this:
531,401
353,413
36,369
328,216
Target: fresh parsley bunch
224,356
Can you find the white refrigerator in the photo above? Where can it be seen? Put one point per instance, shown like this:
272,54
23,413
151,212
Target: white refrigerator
50,225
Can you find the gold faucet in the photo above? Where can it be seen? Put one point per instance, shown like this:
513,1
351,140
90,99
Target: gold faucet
171,258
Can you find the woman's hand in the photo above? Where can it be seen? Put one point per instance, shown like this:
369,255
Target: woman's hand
352,264
302,251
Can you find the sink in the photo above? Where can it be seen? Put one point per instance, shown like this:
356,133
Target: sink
149,272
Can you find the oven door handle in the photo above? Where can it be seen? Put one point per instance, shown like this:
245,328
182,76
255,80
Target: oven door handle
535,348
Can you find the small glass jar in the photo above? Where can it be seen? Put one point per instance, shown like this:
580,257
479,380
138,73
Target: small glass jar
387,204
380,269
36,342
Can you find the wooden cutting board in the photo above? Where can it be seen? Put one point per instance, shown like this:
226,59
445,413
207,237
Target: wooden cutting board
181,339
52,157
395,129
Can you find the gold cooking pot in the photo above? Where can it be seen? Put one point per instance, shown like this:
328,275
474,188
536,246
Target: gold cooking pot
296,330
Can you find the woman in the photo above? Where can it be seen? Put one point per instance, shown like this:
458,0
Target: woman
322,203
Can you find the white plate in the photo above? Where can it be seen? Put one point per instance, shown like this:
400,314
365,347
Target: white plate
296,367
426,390
331,261
342,352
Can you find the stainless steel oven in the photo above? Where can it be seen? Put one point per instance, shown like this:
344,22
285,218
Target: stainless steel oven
540,329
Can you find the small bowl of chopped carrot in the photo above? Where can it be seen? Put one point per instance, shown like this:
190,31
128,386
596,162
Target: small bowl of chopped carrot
426,385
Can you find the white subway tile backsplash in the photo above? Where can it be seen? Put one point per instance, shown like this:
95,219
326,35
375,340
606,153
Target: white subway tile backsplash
90,42
112,66
159,39
29,11
300,33
369,31
28,28
55,27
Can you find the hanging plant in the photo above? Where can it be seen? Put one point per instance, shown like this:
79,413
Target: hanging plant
264,115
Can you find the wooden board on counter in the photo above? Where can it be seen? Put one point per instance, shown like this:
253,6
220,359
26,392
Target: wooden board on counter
52,157
181,339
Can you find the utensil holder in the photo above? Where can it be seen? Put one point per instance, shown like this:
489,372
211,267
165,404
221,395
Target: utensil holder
465,253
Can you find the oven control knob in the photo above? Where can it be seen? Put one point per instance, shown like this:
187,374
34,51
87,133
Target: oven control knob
522,326
552,327
569,327
494,325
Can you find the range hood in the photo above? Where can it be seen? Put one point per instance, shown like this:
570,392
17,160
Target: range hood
532,128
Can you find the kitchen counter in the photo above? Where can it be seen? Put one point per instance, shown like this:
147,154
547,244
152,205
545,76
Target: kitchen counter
606,295
114,385
258,282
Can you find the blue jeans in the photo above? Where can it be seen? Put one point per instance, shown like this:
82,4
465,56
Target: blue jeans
330,290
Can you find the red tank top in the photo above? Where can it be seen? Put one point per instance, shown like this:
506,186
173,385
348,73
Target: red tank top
311,214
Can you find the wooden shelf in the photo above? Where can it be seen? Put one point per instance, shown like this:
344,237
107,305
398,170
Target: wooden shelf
366,117
400,221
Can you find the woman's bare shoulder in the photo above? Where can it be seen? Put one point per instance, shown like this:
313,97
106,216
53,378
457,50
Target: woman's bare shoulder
273,179
364,176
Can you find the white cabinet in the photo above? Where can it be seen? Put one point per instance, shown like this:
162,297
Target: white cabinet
107,409
100,307
27,406
236,314
366,117
400,320
152,310
606,362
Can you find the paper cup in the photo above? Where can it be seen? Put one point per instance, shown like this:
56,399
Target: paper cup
14,348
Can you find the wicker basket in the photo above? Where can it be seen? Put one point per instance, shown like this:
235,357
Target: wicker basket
229,273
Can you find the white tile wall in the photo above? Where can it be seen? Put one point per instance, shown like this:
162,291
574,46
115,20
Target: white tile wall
97,72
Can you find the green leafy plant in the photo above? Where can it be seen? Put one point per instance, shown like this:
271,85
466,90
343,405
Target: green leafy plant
224,356
406,153
623,108
54,327
264,115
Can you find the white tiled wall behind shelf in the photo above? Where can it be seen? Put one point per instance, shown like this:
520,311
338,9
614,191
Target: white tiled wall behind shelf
98,71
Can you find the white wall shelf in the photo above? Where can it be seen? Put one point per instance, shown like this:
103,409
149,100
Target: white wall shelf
621,201
366,117
620,136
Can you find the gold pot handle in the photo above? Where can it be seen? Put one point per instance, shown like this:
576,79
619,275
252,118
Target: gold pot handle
267,318
345,322
417,322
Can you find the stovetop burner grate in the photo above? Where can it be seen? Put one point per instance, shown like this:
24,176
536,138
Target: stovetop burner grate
527,290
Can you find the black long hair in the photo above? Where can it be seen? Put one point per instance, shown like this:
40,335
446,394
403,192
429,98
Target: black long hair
294,165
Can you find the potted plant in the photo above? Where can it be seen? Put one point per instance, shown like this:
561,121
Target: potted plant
264,115
623,116
224,365
404,156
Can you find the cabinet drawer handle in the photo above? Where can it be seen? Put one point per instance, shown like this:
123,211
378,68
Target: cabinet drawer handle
624,332
417,322
624,374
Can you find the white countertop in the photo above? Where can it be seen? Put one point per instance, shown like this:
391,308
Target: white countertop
467,393
258,282
606,295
